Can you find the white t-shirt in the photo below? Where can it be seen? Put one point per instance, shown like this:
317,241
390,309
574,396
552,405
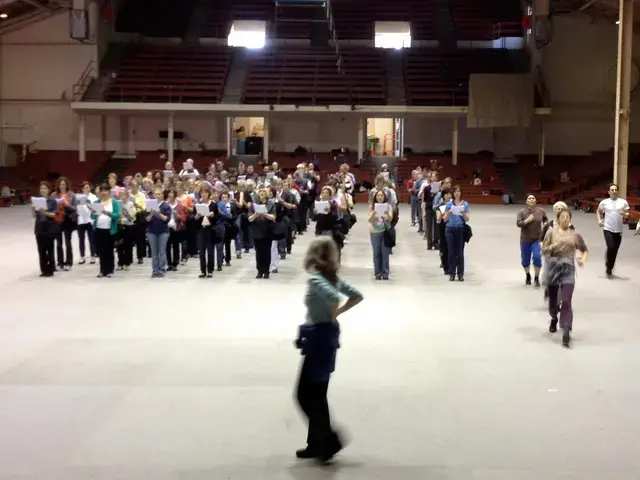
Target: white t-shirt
104,221
613,214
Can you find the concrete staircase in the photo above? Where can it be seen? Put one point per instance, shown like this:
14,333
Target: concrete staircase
394,75
199,19
108,68
235,80
445,29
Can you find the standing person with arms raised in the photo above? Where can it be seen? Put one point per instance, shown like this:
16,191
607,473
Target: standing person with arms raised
318,339
530,221
611,214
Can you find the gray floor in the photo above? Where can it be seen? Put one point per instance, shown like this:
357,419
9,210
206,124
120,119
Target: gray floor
133,378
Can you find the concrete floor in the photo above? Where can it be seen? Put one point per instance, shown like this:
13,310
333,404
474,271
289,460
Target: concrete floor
133,378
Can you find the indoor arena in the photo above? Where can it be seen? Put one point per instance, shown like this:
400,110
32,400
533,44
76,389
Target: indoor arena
319,240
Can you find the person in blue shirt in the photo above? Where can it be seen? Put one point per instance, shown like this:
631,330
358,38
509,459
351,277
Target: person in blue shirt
318,340
456,214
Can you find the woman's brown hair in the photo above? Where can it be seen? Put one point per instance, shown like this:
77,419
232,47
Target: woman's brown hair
322,256
66,181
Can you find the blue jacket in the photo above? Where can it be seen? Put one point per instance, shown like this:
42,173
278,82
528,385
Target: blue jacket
319,344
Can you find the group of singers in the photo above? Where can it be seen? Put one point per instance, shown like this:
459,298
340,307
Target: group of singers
172,217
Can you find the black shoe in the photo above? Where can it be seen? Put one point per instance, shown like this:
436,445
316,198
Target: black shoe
528,280
238,255
227,264
120,268
452,278
275,270
259,275
202,275
461,278
82,262
553,325
306,453
288,252
283,256
331,450
246,250
566,339
140,261
378,277
219,268
266,276
609,273
209,275
536,282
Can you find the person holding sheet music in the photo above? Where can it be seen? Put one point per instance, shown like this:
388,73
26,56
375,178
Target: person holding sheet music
279,225
218,227
114,189
188,170
158,216
441,225
126,231
231,230
429,195
261,217
68,208
206,213
85,223
243,199
189,240
380,218
325,213
46,228
456,214
176,229
290,203
106,212
138,232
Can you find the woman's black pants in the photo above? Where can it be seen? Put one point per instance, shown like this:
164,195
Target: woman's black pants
263,254
173,247
45,253
206,249
65,256
104,246
140,239
125,245
312,398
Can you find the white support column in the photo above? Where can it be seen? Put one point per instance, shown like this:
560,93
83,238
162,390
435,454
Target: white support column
454,142
230,136
265,141
623,96
543,140
82,140
362,127
170,148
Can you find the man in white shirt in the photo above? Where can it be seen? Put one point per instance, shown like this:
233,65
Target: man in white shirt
611,214
189,171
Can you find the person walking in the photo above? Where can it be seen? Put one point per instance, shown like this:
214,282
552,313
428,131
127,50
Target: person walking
318,340
611,214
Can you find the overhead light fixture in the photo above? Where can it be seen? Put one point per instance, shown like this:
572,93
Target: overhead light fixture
3,15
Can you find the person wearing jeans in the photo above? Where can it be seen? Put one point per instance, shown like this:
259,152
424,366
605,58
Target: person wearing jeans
158,234
611,214
456,214
378,224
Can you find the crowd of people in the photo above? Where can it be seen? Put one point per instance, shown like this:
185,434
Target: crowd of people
171,217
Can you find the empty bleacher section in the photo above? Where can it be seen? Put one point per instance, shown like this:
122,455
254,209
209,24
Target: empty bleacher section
434,77
152,18
187,74
486,19
309,76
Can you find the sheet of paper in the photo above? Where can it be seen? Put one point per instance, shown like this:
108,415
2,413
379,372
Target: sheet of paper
385,175
40,203
241,177
185,166
202,209
270,175
321,207
259,208
151,205
435,187
456,210
167,173
381,209
97,208
442,208
82,199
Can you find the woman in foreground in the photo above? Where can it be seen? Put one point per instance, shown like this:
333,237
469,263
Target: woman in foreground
564,247
318,340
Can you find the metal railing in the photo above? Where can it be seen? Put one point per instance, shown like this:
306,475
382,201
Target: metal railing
82,85
507,29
